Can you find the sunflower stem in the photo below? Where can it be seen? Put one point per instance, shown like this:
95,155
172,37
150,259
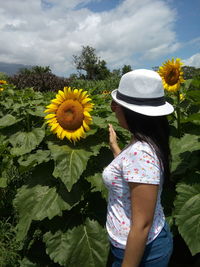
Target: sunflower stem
178,115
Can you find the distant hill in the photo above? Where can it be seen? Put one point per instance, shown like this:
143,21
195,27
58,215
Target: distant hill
12,68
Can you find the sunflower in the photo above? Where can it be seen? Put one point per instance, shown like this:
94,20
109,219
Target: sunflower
69,114
171,74
3,82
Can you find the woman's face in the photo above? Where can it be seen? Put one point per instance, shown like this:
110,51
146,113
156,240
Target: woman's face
119,114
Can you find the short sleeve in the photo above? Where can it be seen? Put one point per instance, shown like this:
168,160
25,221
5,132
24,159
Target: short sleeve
141,167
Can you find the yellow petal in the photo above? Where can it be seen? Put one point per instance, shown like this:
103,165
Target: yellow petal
53,106
59,131
50,121
79,93
62,94
83,95
87,114
62,135
54,126
48,111
88,120
85,125
85,100
59,98
50,116
67,92
56,101
68,135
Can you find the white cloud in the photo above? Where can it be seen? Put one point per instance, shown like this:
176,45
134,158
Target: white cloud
49,32
193,61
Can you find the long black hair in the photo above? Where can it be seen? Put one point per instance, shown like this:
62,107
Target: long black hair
153,130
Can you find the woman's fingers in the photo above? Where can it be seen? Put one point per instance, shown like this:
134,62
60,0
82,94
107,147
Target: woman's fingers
112,135
113,141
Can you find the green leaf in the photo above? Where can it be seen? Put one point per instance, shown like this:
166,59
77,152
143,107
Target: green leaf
69,163
37,203
186,84
3,143
25,142
194,94
100,122
8,120
27,263
187,214
38,111
194,118
98,185
3,182
181,147
85,245
42,174
32,160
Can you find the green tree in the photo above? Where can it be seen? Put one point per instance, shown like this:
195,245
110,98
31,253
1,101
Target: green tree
88,61
102,71
126,68
35,70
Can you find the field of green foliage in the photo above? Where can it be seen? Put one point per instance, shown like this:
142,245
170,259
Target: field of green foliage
52,200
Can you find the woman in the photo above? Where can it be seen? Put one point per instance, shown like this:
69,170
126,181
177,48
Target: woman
136,225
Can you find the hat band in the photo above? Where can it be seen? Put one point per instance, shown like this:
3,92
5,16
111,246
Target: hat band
158,101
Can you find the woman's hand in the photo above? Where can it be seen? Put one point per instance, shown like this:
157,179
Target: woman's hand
113,141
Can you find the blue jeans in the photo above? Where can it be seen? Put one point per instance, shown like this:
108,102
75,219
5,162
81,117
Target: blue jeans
156,254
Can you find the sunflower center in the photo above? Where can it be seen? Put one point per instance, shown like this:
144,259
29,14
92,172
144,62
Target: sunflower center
70,115
172,76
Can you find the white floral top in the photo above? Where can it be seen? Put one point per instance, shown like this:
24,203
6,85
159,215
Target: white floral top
137,163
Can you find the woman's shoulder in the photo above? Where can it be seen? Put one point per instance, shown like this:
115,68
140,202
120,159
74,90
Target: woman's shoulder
140,147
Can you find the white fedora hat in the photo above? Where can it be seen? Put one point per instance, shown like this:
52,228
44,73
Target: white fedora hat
142,91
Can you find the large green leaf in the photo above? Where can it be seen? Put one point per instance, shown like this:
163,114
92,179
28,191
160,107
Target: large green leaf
25,142
85,245
98,185
194,118
181,147
69,163
187,214
32,160
194,94
8,120
37,203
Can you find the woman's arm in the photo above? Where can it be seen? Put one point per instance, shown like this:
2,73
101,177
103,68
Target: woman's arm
113,141
143,202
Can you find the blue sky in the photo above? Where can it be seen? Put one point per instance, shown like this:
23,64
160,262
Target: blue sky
142,33
186,26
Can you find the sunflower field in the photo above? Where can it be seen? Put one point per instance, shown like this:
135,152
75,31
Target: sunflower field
52,199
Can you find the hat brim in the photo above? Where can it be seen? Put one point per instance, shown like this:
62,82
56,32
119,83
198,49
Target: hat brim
162,110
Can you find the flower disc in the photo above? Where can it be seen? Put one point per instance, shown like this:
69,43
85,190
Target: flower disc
70,115
172,75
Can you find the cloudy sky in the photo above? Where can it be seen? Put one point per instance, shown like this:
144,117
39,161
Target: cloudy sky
142,33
